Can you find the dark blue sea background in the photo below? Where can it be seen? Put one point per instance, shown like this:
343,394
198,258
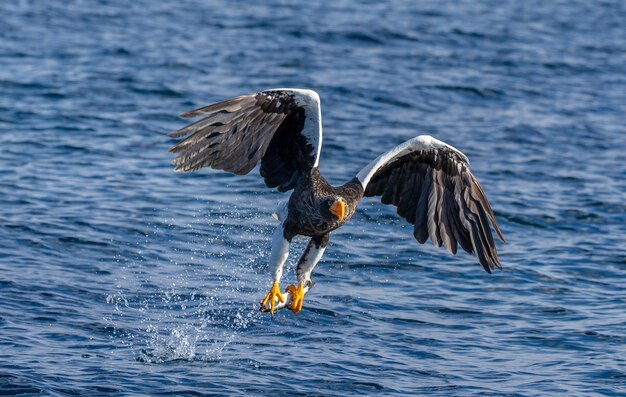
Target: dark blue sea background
120,277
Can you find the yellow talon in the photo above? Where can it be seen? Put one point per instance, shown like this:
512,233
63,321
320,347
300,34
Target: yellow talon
298,297
272,296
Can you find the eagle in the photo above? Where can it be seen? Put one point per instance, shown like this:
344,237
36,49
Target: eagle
428,181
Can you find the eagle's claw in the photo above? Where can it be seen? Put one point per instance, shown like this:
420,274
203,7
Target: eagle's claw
272,297
298,297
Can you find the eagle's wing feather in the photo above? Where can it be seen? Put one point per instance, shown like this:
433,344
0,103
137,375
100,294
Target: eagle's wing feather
280,128
433,188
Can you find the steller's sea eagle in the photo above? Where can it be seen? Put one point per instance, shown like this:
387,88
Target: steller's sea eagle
427,180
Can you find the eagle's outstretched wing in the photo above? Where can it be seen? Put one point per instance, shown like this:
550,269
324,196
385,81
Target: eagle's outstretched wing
281,128
433,188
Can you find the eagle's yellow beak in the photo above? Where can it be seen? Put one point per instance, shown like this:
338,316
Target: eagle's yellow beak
338,209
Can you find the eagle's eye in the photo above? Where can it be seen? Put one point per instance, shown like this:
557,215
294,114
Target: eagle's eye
338,208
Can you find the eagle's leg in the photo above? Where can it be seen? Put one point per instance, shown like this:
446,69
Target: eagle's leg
280,252
312,254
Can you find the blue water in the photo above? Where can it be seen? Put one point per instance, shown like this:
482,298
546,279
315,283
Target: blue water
121,277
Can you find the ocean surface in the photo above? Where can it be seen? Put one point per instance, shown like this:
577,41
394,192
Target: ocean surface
119,277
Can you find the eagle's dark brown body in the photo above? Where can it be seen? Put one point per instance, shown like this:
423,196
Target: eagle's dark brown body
307,213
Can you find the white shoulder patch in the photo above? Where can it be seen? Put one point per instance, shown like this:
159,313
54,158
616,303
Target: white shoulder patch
417,144
312,130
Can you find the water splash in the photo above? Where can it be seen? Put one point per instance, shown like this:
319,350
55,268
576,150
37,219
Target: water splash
160,318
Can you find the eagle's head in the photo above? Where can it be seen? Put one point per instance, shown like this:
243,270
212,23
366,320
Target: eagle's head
334,207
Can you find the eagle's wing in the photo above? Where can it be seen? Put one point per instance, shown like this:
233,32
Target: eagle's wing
433,188
281,128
